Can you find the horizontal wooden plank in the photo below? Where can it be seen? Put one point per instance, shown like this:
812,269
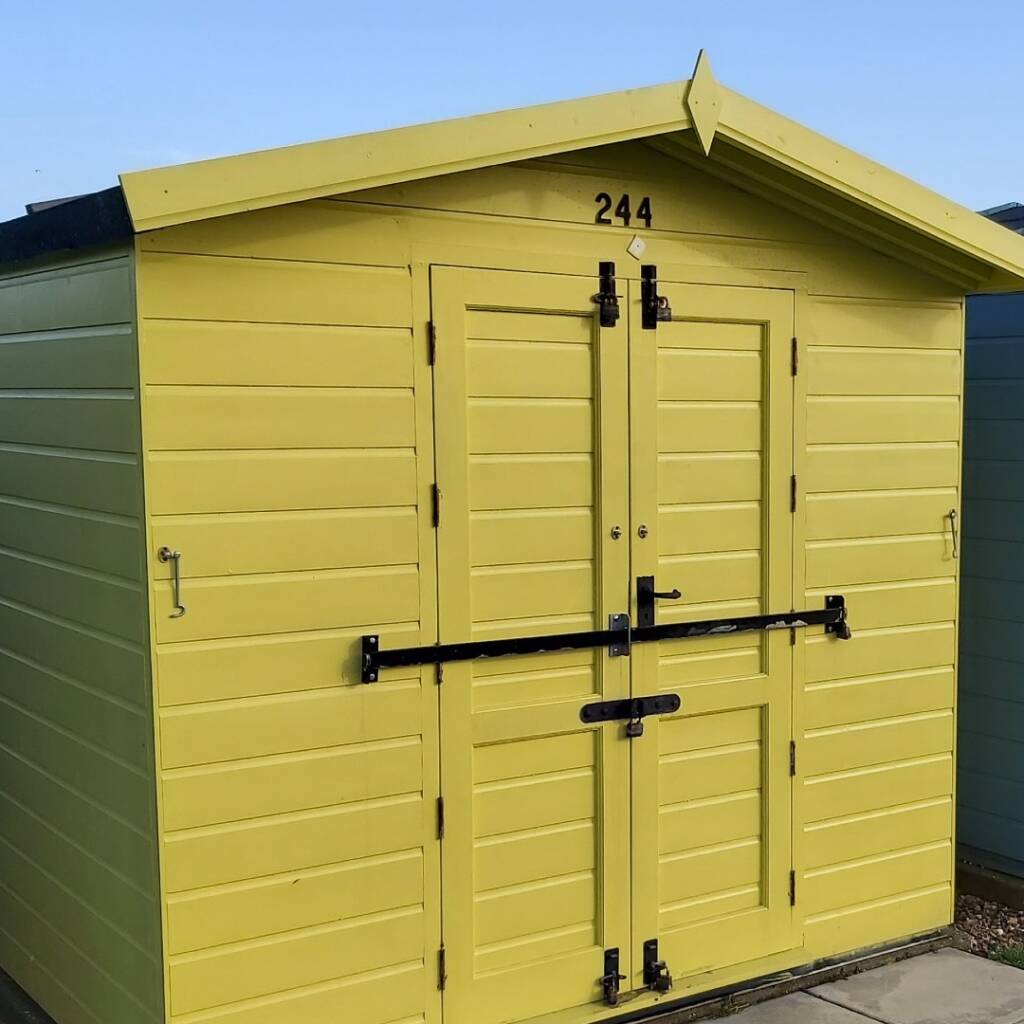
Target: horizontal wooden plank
71,296
700,872
533,756
715,477
841,420
266,542
878,832
863,322
291,842
709,773
283,903
555,682
100,662
308,720
293,354
287,962
839,370
709,375
709,666
104,420
530,481
993,559
720,904
254,481
109,544
709,426
684,826
529,369
987,479
880,650
993,440
878,513
286,602
876,877
879,559
859,700
536,908
105,482
553,799
75,357
528,426
731,576
710,334
996,358
856,745
261,665
527,591
992,520
871,467
993,599
685,530
527,325
108,603
187,287
828,797
699,732
904,603
524,857
189,418
507,538
995,400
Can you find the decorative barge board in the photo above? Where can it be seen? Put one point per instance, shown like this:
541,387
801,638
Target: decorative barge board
488,571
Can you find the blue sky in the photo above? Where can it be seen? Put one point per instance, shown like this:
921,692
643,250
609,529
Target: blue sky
90,88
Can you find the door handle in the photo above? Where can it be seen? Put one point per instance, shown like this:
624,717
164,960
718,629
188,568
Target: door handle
646,595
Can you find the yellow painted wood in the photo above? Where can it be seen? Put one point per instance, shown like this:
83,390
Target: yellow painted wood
531,416
712,841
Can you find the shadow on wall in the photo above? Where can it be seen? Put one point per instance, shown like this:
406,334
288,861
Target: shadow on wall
16,1007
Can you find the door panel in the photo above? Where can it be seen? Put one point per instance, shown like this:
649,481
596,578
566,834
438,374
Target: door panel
711,458
531,428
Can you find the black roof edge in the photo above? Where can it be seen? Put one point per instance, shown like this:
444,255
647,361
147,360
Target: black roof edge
96,219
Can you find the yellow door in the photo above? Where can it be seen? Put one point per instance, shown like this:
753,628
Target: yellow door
532,468
711,463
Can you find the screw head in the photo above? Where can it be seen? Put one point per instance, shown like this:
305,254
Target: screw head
616,532
642,531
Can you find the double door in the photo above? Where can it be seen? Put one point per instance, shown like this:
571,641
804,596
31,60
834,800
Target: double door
575,461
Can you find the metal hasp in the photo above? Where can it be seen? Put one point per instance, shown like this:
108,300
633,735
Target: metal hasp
654,307
606,298
618,638
174,557
656,974
632,710
609,981
646,595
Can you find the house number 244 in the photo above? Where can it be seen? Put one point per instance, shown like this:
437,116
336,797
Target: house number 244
623,209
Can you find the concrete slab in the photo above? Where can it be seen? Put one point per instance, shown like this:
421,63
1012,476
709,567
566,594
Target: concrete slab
798,1008
947,987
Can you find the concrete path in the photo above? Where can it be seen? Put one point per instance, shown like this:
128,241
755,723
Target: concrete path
947,987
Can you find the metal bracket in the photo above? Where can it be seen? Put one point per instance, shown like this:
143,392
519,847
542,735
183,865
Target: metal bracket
654,307
618,638
656,974
609,981
606,299
630,708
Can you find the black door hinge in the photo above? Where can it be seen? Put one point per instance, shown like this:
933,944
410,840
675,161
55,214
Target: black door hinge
654,308
792,757
794,364
435,505
792,493
611,978
442,969
440,817
792,888
431,342
656,974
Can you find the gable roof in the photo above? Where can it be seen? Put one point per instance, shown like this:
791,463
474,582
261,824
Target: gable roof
698,121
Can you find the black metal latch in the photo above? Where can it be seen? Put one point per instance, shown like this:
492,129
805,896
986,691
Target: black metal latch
656,975
646,595
610,979
632,710
654,307
606,299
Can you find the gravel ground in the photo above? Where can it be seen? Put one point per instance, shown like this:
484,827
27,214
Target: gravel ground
987,928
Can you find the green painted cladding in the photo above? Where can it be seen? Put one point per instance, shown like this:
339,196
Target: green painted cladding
991,741
79,906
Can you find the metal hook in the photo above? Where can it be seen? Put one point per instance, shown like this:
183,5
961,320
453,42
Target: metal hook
952,515
167,555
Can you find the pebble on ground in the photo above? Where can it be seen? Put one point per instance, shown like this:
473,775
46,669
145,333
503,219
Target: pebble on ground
987,928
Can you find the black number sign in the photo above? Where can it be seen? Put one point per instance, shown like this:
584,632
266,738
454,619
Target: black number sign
623,209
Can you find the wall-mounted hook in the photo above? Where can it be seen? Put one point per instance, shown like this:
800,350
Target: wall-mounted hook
952,516
174,557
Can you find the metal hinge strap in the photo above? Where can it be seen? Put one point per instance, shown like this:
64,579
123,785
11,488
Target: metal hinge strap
794,364
431,342
792,493
792,888
442,969
792,757
435,505
440,817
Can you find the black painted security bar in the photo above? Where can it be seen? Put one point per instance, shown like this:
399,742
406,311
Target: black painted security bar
618,638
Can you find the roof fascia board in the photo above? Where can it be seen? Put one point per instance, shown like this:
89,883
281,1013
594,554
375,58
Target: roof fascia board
253,181
805,153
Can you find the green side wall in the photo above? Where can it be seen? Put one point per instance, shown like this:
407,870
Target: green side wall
79,906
